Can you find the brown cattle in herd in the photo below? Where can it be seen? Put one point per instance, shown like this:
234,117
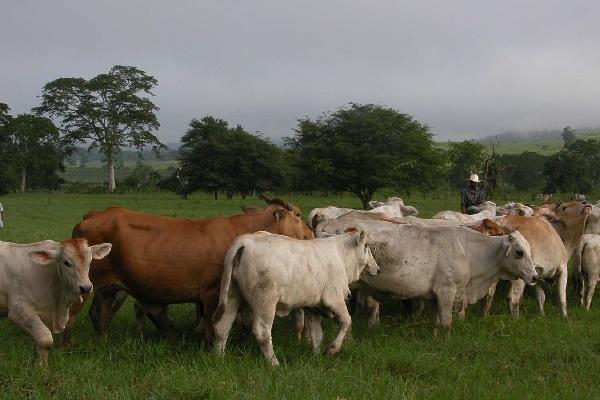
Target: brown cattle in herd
552,237
163,260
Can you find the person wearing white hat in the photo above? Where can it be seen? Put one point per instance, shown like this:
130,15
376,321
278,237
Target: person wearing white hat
472,196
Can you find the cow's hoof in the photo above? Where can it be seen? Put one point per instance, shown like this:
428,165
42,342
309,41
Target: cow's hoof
332,350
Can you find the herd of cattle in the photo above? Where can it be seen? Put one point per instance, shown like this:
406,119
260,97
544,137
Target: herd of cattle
268,262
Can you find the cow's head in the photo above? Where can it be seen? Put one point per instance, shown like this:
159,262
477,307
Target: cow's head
518,262
364,258
490,227
572,213
287,223
72,259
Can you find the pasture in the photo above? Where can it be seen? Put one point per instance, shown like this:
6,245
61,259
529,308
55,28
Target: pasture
497,357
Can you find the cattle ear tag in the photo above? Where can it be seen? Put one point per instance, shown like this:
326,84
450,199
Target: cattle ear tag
43,257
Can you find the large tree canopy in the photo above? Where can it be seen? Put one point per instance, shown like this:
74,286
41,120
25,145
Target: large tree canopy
217,158
466,158
363,148
111,110
6,165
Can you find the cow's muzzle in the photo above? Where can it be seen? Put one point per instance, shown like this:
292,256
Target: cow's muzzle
86,289
534,279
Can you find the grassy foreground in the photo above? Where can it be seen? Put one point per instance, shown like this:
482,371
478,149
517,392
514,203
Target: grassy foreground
497,357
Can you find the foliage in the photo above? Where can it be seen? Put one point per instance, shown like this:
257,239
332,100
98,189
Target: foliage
574,169
112,110
142,177
466,158
523,171
363,148
216,158
7,176
568,136
36,151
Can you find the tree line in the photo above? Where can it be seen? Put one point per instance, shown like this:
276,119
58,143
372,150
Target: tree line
358,148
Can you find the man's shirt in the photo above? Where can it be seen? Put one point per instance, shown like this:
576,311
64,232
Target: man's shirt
472,197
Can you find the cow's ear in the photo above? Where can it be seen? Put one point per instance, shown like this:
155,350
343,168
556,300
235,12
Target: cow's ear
487,223
43,257
278,215
99,251
362,238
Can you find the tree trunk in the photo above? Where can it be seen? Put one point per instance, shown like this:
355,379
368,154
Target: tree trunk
216,195
111,176
23,179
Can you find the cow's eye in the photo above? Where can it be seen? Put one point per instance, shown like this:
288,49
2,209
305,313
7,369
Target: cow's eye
519,253
68,264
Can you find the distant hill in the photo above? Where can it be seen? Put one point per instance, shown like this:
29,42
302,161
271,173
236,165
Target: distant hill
534,136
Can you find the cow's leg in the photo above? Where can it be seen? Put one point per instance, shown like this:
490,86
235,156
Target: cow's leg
210,301
582,285
103,310
341,314
32,324
64,339
562,289
315,331
158,316
445,302
591,287
489,299
261,328
199,318
298,323
140,316
372,309
222,327
515,294
540,297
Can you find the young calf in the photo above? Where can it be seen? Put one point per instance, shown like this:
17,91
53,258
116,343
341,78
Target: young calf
274,275
40,281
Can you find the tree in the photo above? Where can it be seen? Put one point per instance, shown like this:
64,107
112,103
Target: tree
111,110
466,158
35,147
142,177
523,171
568,136
217,158
574,169
6,157
363,148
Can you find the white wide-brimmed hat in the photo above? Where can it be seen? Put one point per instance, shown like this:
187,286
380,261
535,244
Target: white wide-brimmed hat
474,178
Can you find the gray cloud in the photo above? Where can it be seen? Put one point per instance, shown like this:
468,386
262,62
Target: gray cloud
466,68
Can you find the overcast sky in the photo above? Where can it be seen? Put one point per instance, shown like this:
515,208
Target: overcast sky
465,68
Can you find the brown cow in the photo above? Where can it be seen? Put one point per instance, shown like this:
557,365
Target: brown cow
162,260
551,246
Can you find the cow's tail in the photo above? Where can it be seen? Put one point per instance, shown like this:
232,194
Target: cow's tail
232,260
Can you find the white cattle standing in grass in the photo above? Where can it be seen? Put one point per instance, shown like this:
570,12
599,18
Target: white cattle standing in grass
274,275
487,210
40,281
586,258
452,265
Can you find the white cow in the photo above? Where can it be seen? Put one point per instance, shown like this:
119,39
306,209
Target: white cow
487,210
275,274
40,281
450,264
586,263
393,208
515,209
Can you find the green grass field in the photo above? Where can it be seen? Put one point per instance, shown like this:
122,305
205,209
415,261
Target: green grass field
497,357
